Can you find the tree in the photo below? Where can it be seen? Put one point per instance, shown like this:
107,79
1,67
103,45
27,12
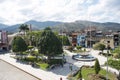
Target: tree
33,37
97,66
79,75
49,44
23,27
65,41
99,46
18,44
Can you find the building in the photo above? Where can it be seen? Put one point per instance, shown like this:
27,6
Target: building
90,31
81,37
99,36
105,41
116,39
91,36
74,38
3,40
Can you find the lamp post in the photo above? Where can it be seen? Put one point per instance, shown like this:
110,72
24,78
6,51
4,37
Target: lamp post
71,69
108,47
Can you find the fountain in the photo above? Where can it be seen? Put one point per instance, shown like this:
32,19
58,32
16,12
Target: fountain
83,57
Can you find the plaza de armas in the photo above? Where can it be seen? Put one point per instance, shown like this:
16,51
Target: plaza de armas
44,49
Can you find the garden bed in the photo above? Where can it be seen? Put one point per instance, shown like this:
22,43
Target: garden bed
88,73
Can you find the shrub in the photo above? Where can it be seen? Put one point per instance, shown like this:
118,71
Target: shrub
56,61
25,53
43,66
34,53
116,50
30,47
99,46
78,47
114,63
30,58
97,66
79,75
116,55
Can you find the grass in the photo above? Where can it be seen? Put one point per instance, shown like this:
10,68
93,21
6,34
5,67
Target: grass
86,71
43,66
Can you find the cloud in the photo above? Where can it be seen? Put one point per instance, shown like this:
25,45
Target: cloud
105,10
18,11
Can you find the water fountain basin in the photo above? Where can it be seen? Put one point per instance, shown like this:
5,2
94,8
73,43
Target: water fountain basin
83,57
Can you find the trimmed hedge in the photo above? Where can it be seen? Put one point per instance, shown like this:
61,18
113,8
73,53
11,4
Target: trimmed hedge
55,61
30,58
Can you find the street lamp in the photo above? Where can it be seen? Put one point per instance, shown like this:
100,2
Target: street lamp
108,47
71,68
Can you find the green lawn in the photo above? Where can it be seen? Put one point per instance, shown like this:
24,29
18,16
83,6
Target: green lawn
86,71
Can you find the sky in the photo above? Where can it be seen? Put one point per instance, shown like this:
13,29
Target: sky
19,11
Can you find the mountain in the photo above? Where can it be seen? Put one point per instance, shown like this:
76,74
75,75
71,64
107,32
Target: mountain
66,26
3,26
35,25
79,25
42,25
13,28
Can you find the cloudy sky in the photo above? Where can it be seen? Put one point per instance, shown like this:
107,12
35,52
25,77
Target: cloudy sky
18,11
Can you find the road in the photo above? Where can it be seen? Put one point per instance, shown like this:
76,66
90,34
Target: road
9,72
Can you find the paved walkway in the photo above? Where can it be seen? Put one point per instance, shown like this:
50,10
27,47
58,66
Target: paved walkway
53,74
102,61
9,72
58,72
44,75
94,53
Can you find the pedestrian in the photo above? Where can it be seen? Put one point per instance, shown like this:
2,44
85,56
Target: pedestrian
60,78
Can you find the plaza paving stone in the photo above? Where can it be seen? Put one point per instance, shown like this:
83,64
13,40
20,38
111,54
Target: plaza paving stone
9,72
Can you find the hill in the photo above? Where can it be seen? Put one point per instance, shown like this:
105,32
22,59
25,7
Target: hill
79,25
66,26
35,25
3,26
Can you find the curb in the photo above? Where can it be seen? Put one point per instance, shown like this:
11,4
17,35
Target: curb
20,69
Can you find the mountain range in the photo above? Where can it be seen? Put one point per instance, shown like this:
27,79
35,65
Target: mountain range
66,26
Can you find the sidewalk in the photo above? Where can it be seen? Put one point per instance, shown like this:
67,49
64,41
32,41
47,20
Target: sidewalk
112,70
41,74
102,61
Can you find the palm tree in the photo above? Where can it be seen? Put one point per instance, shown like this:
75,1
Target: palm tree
24,28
